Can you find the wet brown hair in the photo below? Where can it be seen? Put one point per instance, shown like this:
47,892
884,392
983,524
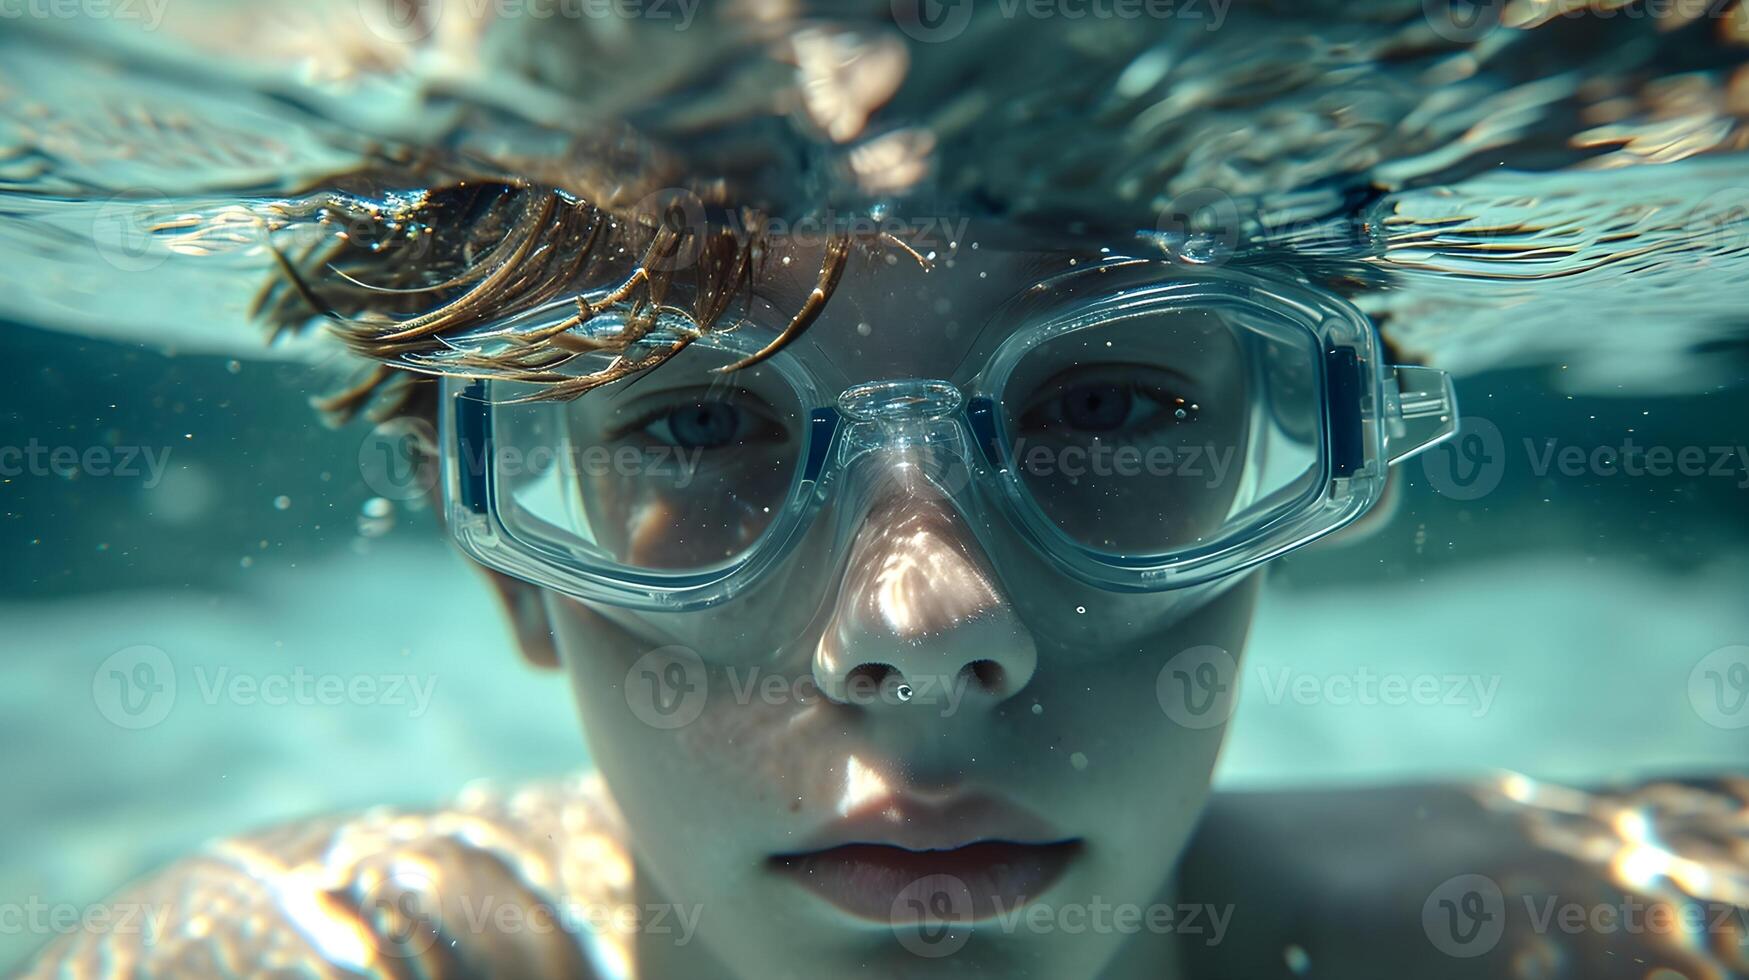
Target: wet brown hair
471,253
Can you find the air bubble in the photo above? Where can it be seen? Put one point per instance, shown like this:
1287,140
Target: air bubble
376,517
903,692
1080,610
282,502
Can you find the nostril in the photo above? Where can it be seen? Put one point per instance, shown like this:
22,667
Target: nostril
988,674
865,680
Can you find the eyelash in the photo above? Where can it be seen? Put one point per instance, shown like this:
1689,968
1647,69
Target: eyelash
751,406
1170,401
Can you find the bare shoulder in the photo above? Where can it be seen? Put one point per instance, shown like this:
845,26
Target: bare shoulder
1506,877
501,882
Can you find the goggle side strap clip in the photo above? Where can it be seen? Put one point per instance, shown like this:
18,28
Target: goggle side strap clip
1419,410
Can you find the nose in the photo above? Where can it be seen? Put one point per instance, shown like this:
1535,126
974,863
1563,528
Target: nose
919,616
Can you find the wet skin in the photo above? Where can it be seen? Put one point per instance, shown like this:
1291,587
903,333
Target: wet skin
1044,728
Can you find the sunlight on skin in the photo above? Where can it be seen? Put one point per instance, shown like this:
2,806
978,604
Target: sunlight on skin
861,785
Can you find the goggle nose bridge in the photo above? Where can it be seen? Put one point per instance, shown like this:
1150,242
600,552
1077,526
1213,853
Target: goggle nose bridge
922,416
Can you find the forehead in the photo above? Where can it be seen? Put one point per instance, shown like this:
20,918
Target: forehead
897,311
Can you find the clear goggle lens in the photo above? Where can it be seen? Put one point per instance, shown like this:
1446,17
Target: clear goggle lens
1134,436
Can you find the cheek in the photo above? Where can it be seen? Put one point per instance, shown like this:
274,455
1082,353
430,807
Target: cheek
1110,724
662,724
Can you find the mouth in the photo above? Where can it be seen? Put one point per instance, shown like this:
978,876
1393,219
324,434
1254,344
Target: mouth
889,884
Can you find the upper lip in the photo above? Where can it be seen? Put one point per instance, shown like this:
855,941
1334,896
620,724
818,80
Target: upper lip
918,825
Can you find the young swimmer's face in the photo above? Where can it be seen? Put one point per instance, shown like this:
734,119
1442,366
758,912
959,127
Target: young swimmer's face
751,743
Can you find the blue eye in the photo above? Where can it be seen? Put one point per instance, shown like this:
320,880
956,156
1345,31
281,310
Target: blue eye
1096,407
701,425
1130,403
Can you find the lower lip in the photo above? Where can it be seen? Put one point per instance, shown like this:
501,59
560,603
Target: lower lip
889,885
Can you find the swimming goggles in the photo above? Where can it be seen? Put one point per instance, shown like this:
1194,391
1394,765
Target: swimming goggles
1140,428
